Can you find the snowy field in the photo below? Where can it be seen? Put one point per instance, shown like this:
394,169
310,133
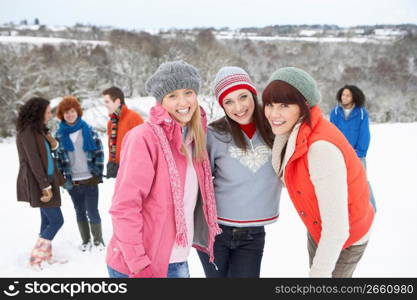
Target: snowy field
359,40
39,41
392,250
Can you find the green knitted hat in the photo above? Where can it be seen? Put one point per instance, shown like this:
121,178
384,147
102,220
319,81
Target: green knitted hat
300,80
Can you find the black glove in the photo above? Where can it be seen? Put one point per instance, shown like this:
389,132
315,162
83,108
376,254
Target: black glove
112,169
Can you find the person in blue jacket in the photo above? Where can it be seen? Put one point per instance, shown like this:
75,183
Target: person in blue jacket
351,117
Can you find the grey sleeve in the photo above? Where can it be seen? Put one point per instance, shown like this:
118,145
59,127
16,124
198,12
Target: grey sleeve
211,149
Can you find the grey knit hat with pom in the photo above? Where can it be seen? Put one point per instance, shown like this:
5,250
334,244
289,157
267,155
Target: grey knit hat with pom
300,80
171,76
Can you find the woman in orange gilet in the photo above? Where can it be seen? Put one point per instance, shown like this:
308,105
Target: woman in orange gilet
322,173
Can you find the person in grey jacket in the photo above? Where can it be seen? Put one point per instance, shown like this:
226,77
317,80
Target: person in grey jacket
246,187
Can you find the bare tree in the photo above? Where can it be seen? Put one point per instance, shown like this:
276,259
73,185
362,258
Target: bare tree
21,77
130,69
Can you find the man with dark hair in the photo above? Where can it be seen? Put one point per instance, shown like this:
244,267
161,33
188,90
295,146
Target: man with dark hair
122,119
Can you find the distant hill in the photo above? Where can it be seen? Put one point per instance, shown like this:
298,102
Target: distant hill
83,60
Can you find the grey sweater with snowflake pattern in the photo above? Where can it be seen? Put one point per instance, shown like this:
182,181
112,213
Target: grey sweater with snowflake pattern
247,189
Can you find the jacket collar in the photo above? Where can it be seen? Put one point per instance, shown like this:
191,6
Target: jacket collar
301,145
355,111
123,110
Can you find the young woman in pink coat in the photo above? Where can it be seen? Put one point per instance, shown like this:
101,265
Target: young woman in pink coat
163,201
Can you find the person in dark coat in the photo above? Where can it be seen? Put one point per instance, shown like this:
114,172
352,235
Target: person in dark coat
39,179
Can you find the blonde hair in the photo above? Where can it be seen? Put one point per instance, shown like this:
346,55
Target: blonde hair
198,135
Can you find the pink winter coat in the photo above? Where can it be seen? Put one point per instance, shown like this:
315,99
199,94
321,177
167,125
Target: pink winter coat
142,207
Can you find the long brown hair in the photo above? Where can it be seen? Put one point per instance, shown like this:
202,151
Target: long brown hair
32,114
226,125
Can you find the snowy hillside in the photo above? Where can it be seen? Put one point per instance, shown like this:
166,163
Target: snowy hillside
84,60
358,40
46,40
392,165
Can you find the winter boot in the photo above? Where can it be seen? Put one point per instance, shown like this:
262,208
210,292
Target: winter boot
40,253
85,235
97,236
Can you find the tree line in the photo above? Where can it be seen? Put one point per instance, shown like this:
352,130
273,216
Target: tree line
385,71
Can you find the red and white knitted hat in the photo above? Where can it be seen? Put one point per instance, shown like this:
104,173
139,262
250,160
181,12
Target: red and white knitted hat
230,79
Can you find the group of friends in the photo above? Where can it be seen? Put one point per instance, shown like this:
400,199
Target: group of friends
181,183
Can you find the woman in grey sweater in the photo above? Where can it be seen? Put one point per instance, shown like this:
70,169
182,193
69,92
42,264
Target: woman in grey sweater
246,187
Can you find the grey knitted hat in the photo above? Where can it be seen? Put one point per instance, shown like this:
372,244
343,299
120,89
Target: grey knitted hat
171,76
300,80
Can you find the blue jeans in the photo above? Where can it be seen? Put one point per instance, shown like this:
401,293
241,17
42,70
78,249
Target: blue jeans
85,200
51,221
178,270
115,274
238,253
363,161
175,270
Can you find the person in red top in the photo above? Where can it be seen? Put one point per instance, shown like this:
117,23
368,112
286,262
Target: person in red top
122,119
322,173
247,190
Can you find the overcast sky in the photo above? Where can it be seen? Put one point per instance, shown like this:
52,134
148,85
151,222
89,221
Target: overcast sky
157,14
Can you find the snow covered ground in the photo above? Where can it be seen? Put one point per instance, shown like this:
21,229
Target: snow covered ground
47,40
392,250
375,39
